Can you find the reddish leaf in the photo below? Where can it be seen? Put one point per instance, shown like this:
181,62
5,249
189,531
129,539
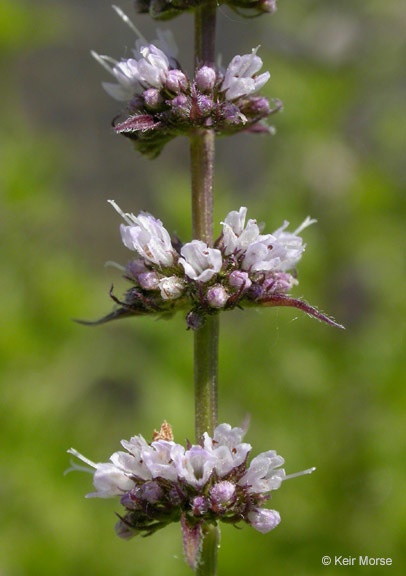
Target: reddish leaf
191,540
281,300
137,123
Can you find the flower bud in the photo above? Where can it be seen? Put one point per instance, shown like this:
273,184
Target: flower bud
153,98
205,105
232,114
268,6
278,282
129,502
263,519
200,506
176,81
150,491
222,495
205,78
258,105
217,296
171,288
135,268
238,279
180,106
149,280
194,320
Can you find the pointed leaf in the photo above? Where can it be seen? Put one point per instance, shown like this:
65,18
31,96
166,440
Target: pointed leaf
282,300
137,123
191,540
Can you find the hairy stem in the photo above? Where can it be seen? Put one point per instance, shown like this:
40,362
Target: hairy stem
205,368
205,339
207,564
202,171
202,166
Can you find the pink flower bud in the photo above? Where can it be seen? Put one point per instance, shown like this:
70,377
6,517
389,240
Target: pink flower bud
152,98
149,280
222,495
205,105
150,491
200,505
205,78
264,520
176,81
217,296
238,279
181,105
268,6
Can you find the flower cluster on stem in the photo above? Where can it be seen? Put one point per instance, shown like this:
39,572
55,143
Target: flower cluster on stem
166,9
163,482
244,268
162,102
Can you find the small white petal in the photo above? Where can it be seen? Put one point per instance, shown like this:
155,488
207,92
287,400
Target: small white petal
200,262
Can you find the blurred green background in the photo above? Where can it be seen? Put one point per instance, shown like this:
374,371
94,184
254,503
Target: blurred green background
319,396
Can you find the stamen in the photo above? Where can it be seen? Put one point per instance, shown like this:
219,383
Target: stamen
129,22
112,264
126,217
77,468
103,61
308,222
308,471
81,457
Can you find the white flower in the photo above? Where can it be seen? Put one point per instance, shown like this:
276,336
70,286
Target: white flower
147,236
277,252
227,447
109,480
160,460
195,465
148,69
153,67
292,243
280,251
199,261
236,236
262,475
171,287
240,78
263,254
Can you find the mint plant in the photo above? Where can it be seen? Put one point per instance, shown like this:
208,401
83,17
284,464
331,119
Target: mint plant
214,480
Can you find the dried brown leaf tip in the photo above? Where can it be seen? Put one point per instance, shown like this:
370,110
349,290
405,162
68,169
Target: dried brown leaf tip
165,433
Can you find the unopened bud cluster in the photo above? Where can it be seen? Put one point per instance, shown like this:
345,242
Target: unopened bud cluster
244,268
165,482
166,9
162,102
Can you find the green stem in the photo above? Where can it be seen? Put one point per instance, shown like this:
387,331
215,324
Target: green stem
202,171
205,368
205,339
202,167
207,563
